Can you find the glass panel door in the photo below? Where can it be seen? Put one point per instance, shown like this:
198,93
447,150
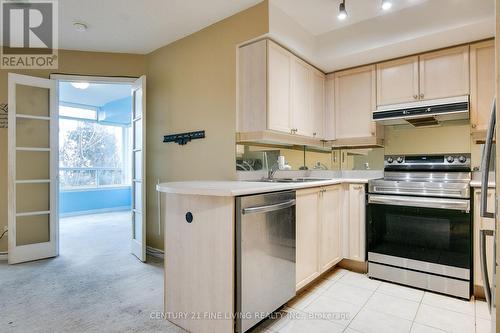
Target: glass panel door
138,168
32,196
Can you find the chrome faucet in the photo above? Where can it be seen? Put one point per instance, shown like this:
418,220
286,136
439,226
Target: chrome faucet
272,170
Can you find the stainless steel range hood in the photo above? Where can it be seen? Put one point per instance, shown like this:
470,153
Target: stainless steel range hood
424,113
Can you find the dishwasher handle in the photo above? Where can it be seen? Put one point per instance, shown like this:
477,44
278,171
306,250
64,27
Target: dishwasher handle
268,208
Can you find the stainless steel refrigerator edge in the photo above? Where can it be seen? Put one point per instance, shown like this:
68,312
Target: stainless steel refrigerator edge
265,255
489,290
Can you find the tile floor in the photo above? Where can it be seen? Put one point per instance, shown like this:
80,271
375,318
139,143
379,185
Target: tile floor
349,302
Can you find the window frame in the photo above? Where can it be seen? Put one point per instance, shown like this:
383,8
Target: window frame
126,145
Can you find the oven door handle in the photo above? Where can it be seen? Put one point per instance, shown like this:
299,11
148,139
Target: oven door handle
423,202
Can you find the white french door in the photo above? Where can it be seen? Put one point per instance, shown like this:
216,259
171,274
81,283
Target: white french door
139,168
32,168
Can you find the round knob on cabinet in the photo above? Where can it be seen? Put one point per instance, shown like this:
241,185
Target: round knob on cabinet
450,159
462,159
400,159
390,160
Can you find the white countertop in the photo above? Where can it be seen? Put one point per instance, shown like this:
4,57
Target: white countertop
237,188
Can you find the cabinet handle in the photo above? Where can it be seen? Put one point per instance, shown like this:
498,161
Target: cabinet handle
473,125
415,96
314,134
421,96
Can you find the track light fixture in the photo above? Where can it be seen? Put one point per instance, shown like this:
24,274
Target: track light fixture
386,4
342,15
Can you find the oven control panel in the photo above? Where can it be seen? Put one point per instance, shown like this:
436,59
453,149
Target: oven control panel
427,162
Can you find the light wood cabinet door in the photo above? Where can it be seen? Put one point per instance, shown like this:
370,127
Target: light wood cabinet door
252,87
302,92
354,103
482,83
307,235
318,103
279,88
356,222
444,73
397,81
482,223
330,107
330,249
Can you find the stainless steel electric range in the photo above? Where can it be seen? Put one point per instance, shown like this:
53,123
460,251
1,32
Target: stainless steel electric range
419,224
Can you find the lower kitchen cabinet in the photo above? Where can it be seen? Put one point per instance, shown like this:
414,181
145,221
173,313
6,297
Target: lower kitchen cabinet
330,250
307,235
482,223
355,223
319,234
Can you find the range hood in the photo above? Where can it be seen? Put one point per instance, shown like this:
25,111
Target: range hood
424,113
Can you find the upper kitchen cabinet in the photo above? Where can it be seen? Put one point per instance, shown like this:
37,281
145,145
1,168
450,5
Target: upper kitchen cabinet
329,127
318,103
397,81
444,73
354,102
302,93
279,93
432,75
482,86
279,89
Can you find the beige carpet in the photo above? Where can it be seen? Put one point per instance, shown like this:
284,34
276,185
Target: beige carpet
95,285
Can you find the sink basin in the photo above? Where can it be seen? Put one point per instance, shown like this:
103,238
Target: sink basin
290,180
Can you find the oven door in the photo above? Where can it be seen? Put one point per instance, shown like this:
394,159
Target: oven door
420,233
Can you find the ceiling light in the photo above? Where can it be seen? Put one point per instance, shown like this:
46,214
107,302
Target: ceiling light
80,85
342,12
386,4
79,26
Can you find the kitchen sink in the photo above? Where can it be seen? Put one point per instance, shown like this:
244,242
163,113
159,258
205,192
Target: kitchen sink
290,180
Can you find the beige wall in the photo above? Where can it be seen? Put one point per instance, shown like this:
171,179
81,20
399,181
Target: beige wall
453,137
192,86
70,62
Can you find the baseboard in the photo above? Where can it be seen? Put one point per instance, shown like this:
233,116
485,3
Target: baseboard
4,256
479,292
95,211
355,266
157,253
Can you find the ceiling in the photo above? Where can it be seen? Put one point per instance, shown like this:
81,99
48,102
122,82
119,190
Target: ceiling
311,29
320,16
132,26
97,94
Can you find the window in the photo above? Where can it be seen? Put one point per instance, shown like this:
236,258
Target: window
78,112
91,154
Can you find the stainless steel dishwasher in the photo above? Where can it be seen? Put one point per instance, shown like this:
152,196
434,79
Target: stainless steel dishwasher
265,255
